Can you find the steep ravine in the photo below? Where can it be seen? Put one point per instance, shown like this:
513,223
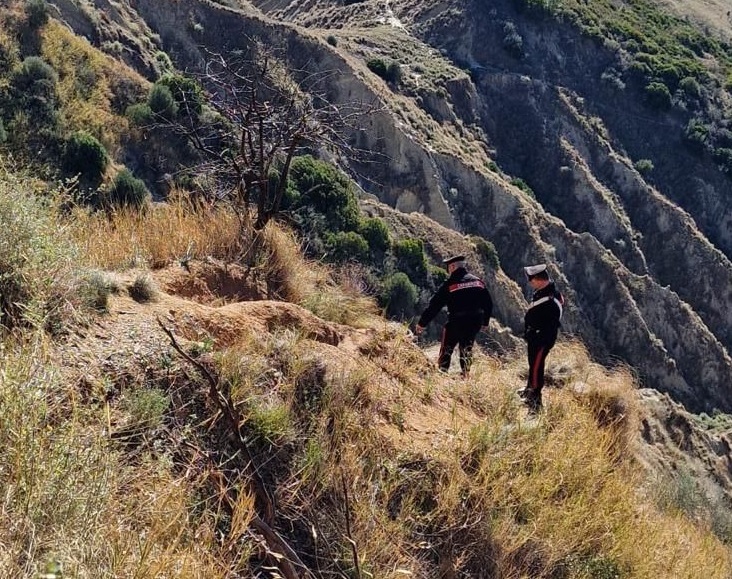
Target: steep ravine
599,256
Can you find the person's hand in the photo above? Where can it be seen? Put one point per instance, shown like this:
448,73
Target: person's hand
418,329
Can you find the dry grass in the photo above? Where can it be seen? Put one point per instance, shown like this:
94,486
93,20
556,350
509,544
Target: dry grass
311,284
85,77
71,496
154,238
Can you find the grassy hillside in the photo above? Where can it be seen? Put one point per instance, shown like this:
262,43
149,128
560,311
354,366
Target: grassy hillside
122,461
183,396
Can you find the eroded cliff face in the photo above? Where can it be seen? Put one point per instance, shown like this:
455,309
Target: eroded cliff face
644,262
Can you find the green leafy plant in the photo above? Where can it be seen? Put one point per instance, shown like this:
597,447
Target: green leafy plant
161,101
376,233
85,155
347,246
127,191
399,296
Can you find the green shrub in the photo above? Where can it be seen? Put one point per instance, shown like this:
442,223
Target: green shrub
187,93
332,40
696,134
347,246
163,63
95,289
513,43
487,252
139,114
376,233
33,87
389,71
524,186
161,102
723,156
690,86
658,95
85,155
128,191
399,296
377,66
438,274
644,166
320,186
36,14
411,258
146,407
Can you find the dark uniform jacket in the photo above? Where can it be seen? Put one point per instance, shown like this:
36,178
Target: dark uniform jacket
465,296
541,321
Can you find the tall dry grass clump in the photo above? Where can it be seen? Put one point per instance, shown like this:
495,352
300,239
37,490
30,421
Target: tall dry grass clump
167,232
71,496
309,283
37,260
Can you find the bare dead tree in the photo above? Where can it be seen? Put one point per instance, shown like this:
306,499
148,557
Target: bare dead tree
261,119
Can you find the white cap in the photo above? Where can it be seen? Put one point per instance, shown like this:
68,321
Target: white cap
532,270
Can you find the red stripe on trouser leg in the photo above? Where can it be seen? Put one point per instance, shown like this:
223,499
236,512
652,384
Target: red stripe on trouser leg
535,368
442,344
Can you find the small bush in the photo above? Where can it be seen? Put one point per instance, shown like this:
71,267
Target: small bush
128,191
347,246
332,40
513,43
143,289
524,186
163,63
146,407
187,93
487,252
438,274
644,166
161,102
36,14
723,156
377,66
658,95
139,114
95,290
376,233
399,296
690,86
85,155
33,88
322,187
389,71
696,134
411,258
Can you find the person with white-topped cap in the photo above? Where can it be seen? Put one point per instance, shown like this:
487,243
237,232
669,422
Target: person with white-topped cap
541,326
469,308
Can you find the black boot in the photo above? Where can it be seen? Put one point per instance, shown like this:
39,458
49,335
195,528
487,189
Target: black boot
532,399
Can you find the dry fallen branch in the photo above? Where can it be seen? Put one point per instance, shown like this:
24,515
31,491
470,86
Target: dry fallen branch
285,556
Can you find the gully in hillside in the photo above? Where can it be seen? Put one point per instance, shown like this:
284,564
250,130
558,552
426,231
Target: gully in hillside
469,307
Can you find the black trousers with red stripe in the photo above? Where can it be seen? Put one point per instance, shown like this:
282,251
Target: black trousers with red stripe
538,351
462,333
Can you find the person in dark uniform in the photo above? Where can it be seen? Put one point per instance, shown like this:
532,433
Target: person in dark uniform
469,307
541,325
